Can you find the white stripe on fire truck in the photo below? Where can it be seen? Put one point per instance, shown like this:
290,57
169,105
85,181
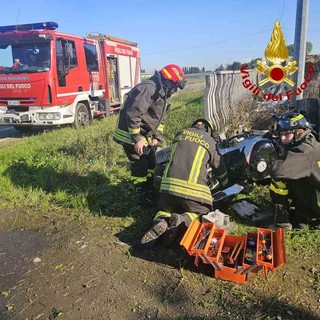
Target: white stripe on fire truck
78,93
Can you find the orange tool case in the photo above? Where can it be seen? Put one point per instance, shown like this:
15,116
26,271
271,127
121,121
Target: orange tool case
234,257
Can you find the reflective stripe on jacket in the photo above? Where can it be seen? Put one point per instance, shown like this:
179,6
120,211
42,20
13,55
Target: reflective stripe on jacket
143,112
279,192
193,151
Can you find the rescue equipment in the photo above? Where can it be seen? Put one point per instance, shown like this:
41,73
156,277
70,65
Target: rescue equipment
234,257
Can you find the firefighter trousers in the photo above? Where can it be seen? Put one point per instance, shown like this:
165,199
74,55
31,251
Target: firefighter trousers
188,209
142,167
178,213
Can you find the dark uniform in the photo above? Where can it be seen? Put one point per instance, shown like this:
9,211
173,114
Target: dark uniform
142,118
185,176
296,174
296,179
184,186
141,122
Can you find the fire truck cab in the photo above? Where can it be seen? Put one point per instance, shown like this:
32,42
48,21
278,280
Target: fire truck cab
48,78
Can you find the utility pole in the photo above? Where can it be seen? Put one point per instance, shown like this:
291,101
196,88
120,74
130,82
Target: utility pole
300,42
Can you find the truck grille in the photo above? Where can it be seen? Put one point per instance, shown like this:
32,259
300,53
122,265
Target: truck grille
18,109
23,101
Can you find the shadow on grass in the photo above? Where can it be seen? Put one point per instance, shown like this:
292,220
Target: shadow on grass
68,190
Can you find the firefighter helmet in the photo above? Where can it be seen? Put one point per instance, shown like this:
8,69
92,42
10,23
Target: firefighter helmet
288,125
292,120
175,74
205,124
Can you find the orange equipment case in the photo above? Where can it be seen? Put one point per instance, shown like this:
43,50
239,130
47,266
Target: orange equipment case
234,257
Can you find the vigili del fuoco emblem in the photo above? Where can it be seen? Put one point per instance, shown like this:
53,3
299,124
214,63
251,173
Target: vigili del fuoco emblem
276,53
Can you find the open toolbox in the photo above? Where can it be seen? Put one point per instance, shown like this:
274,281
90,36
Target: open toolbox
234,257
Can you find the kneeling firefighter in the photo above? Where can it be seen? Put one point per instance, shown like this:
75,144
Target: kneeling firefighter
184,191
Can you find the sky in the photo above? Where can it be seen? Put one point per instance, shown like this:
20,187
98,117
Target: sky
203,33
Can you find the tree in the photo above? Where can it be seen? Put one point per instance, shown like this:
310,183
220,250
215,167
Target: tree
220,68
309,48
290,49
188,70
253,63
235,65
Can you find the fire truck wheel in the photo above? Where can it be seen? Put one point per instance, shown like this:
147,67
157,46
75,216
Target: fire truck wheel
82,117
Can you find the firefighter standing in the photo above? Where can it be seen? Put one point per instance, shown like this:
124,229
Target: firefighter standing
141,121
184,191
296,173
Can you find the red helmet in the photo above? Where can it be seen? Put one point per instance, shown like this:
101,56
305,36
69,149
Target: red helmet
175,74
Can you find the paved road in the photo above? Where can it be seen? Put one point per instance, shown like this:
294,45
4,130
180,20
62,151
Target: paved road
9,132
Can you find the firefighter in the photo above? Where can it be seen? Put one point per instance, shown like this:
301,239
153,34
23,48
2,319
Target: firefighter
141,122
16,64
30,58
184,191
295,183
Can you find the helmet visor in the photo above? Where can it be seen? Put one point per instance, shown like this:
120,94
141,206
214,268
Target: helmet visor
283,124
181,84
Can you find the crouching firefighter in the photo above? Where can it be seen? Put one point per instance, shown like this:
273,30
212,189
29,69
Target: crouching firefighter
295,183
141,122
184,191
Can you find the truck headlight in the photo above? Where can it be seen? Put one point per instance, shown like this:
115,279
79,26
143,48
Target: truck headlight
49,116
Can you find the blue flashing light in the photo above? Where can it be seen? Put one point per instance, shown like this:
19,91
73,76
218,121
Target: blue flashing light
30,26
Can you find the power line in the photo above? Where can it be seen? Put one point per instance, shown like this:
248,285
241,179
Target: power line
18,15
207,45
282,10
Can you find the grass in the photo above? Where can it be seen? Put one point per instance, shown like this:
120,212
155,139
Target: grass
82,169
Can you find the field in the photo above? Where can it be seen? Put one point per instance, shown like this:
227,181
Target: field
70,233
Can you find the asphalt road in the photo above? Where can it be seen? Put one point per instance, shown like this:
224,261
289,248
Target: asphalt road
9,132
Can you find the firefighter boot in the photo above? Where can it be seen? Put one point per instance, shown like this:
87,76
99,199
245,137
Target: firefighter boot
297,218
177,225
160,226
282,218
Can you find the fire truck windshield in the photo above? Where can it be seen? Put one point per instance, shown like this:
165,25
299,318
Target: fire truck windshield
24,57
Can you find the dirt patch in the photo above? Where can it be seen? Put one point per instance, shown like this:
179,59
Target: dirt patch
94,268
17,251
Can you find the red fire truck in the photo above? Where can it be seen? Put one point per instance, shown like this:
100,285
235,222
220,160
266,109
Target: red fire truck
48,78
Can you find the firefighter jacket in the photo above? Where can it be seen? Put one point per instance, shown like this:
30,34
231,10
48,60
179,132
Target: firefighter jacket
193,151
143,112
296,175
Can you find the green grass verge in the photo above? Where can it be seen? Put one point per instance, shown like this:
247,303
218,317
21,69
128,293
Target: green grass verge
79,169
